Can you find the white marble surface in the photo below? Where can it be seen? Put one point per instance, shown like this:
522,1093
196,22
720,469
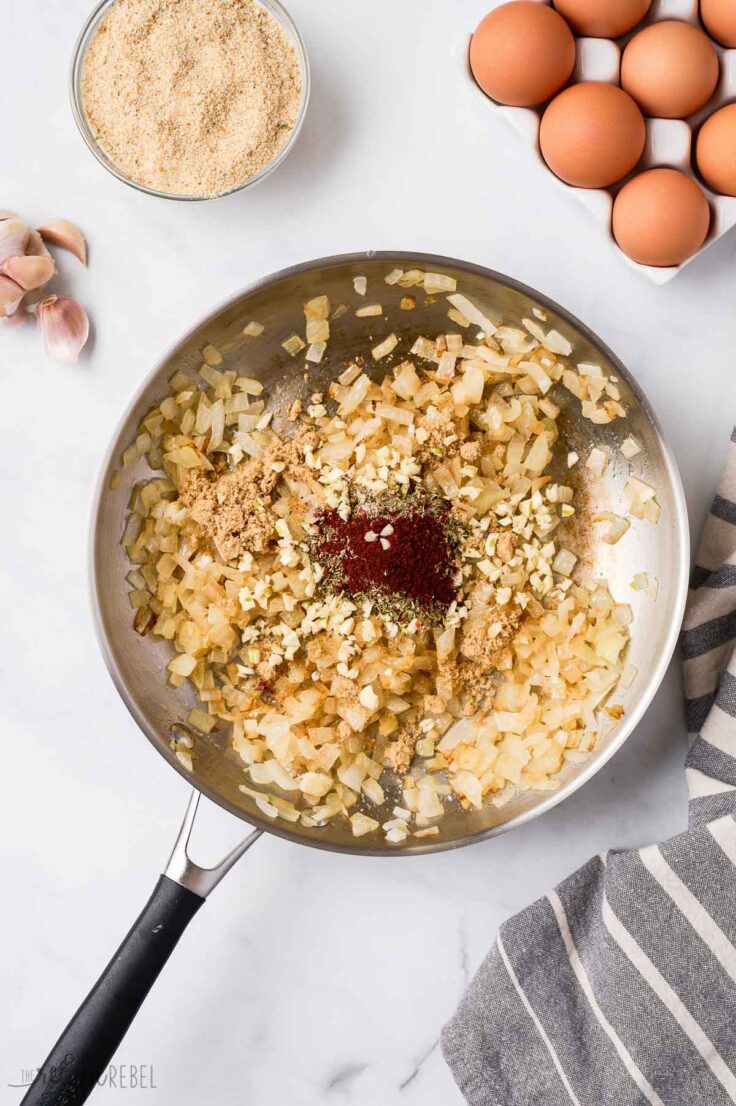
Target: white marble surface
309,979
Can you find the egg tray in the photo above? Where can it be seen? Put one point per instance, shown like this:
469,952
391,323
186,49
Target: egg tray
669,142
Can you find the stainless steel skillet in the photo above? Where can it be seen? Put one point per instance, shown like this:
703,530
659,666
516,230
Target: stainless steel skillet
137,664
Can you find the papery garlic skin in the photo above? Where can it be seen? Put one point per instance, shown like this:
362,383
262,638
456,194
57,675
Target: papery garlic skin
14,235
60,232
29,272
65,327
7,322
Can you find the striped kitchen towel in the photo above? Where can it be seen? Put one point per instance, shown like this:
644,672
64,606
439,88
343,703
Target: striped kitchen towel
619,987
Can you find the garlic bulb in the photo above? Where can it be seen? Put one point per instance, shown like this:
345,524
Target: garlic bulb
65,327
26,266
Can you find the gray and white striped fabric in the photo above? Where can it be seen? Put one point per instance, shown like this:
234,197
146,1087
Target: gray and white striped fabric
619,987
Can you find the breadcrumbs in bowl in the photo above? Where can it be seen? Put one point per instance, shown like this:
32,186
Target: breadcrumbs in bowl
386,597
187,100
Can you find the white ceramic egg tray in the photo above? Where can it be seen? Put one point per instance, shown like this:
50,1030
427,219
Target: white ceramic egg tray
670,142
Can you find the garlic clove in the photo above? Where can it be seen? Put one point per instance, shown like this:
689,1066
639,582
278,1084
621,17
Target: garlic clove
65,327
36,247
29,272
4,214
60,232
10,295
14,235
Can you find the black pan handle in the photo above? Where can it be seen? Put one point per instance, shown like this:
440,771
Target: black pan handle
85,1048
90,1040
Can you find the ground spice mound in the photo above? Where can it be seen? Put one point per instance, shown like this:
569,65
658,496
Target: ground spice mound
234,507
404,552
189,97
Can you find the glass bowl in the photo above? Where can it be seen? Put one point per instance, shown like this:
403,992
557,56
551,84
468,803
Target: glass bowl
282,17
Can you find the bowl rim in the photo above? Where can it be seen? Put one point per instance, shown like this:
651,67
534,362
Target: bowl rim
282,16
660,663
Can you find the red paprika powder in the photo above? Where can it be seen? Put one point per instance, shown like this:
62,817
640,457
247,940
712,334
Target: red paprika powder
406,551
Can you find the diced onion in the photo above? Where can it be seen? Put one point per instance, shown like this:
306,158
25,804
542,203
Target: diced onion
438,282
564,562
616,526
316,352
293,344
472,313
318,330
630,447
205,723
317,308
458,317
211,355
362,824
388,345
557,343
597,461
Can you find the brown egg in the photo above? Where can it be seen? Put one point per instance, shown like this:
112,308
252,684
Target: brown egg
522,53
660,217
719,17
715,151
592,135
603,18
670,68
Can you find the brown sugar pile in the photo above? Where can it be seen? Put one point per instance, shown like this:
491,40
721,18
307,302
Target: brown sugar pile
400,752
234,507
191,97
230,510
